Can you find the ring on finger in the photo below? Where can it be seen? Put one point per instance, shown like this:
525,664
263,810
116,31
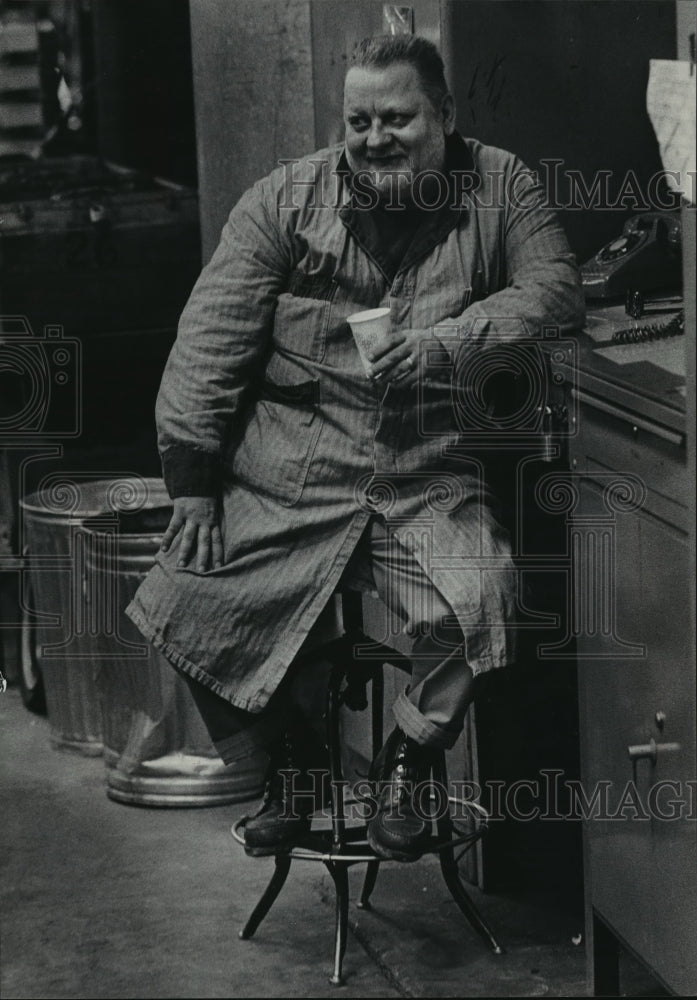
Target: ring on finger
409,361
409,370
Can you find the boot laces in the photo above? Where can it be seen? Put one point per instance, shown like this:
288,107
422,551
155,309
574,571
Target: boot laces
403,773
276,785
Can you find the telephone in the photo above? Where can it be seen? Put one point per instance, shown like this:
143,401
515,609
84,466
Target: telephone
645,257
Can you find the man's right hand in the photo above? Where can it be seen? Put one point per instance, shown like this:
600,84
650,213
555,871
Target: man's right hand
201,540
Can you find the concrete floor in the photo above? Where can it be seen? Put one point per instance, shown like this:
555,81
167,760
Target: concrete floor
103,900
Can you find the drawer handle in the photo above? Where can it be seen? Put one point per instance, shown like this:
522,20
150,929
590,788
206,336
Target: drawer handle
651,750
672,436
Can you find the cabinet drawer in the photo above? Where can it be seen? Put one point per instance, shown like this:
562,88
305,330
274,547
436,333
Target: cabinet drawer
608,438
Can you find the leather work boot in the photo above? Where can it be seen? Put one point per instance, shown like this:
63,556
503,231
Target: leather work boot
289,800
399,831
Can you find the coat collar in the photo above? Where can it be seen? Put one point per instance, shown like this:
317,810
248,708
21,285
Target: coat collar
434,226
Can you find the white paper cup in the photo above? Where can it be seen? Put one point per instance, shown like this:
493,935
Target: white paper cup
370,329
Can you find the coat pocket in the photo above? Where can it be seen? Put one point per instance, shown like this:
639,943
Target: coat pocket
302,315
275,450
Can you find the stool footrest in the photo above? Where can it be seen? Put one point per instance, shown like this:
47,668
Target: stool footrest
354,847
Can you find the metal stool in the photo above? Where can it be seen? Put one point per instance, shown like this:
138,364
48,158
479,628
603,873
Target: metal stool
344,844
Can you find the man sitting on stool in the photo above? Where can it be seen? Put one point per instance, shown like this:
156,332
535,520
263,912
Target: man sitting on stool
292,472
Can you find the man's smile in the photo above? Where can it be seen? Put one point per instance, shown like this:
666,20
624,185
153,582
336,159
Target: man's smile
394,158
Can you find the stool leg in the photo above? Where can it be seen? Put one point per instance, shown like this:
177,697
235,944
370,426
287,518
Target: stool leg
270,894
448,866
333,704
377,709
451,873
371,875
339,874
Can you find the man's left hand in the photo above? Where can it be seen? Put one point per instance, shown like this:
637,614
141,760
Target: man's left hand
399,364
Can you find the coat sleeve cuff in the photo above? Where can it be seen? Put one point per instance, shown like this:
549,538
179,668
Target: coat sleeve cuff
190,472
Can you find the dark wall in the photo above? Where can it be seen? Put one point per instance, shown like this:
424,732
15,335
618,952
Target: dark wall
143,86
562,79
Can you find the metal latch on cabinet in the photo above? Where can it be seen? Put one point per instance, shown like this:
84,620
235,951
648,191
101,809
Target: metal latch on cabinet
554,423
651,750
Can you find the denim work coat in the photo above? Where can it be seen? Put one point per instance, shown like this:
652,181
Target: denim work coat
264,402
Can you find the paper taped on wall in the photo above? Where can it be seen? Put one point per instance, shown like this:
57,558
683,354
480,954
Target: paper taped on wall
670,101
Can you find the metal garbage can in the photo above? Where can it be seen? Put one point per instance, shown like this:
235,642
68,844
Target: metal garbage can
52,537
157,751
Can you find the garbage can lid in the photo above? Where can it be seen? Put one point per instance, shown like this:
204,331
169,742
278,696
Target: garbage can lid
68,497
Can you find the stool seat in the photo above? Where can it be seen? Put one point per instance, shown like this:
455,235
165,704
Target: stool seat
344,844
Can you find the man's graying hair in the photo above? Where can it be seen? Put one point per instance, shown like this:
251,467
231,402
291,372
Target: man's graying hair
385,50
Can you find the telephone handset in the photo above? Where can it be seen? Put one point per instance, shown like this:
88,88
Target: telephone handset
646,256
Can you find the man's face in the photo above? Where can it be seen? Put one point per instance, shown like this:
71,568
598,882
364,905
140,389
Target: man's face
393,131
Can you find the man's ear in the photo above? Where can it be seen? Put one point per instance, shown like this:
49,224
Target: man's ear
448,112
